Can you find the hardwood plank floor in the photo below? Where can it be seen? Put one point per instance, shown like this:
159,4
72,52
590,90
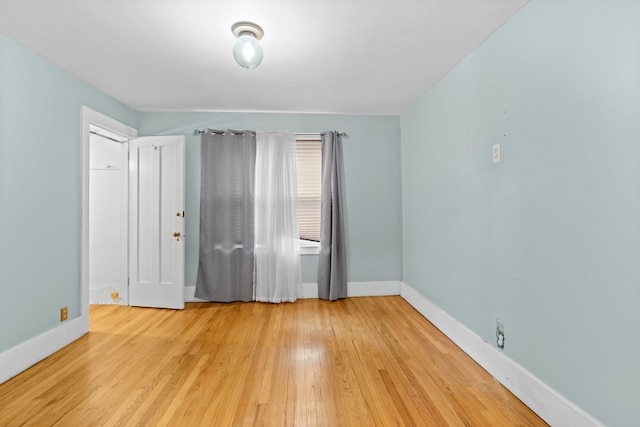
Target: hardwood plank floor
370,361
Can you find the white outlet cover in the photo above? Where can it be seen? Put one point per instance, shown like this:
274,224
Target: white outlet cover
496,153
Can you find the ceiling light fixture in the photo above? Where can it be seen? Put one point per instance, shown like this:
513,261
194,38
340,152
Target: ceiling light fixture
247,50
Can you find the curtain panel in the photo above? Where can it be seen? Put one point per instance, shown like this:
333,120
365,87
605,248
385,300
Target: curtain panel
277,251
225,268
332,262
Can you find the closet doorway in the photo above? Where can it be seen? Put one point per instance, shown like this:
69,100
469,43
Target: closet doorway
108,216
132,216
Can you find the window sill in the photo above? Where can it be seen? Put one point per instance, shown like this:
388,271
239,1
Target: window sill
309,248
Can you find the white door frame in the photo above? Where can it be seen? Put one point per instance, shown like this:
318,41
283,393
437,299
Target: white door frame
92,117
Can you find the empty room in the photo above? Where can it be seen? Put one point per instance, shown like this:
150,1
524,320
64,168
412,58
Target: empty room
289,213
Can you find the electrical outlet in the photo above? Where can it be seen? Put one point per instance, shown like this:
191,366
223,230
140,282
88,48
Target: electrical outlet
496,153
500,333
64,314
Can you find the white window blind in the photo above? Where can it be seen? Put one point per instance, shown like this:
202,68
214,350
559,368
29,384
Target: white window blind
309,175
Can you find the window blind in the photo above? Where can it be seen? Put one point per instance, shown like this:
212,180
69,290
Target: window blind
309,176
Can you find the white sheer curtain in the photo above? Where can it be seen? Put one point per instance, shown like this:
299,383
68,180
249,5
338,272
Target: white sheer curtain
277,251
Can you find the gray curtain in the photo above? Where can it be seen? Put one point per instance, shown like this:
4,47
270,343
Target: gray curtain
332,263
225,269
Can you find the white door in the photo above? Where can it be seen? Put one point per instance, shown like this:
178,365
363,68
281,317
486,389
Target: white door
156,221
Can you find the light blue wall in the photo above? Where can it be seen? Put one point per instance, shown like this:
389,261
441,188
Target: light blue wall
40,183
372,180
548,240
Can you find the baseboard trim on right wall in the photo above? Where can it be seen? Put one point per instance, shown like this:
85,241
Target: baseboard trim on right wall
542,399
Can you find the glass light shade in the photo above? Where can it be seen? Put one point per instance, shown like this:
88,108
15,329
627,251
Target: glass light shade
247,51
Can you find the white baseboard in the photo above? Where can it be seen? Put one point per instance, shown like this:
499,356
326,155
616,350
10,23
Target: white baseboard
310,290
356,289
27,354
373,289
542,399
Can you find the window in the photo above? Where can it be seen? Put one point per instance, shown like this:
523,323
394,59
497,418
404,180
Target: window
309,177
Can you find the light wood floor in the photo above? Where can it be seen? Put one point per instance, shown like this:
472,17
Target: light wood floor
370,361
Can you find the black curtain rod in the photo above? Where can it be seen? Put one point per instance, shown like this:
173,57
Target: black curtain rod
343,134
220,132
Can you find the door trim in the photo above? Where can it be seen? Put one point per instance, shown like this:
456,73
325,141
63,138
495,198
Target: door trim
91,117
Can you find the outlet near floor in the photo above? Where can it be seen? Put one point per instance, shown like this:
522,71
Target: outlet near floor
500,334
64,314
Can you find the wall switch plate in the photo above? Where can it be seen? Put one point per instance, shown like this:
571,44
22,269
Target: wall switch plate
496,153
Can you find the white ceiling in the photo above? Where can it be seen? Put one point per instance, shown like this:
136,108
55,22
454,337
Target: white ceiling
322,56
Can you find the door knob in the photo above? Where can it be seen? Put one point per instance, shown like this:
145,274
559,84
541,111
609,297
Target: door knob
177,236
